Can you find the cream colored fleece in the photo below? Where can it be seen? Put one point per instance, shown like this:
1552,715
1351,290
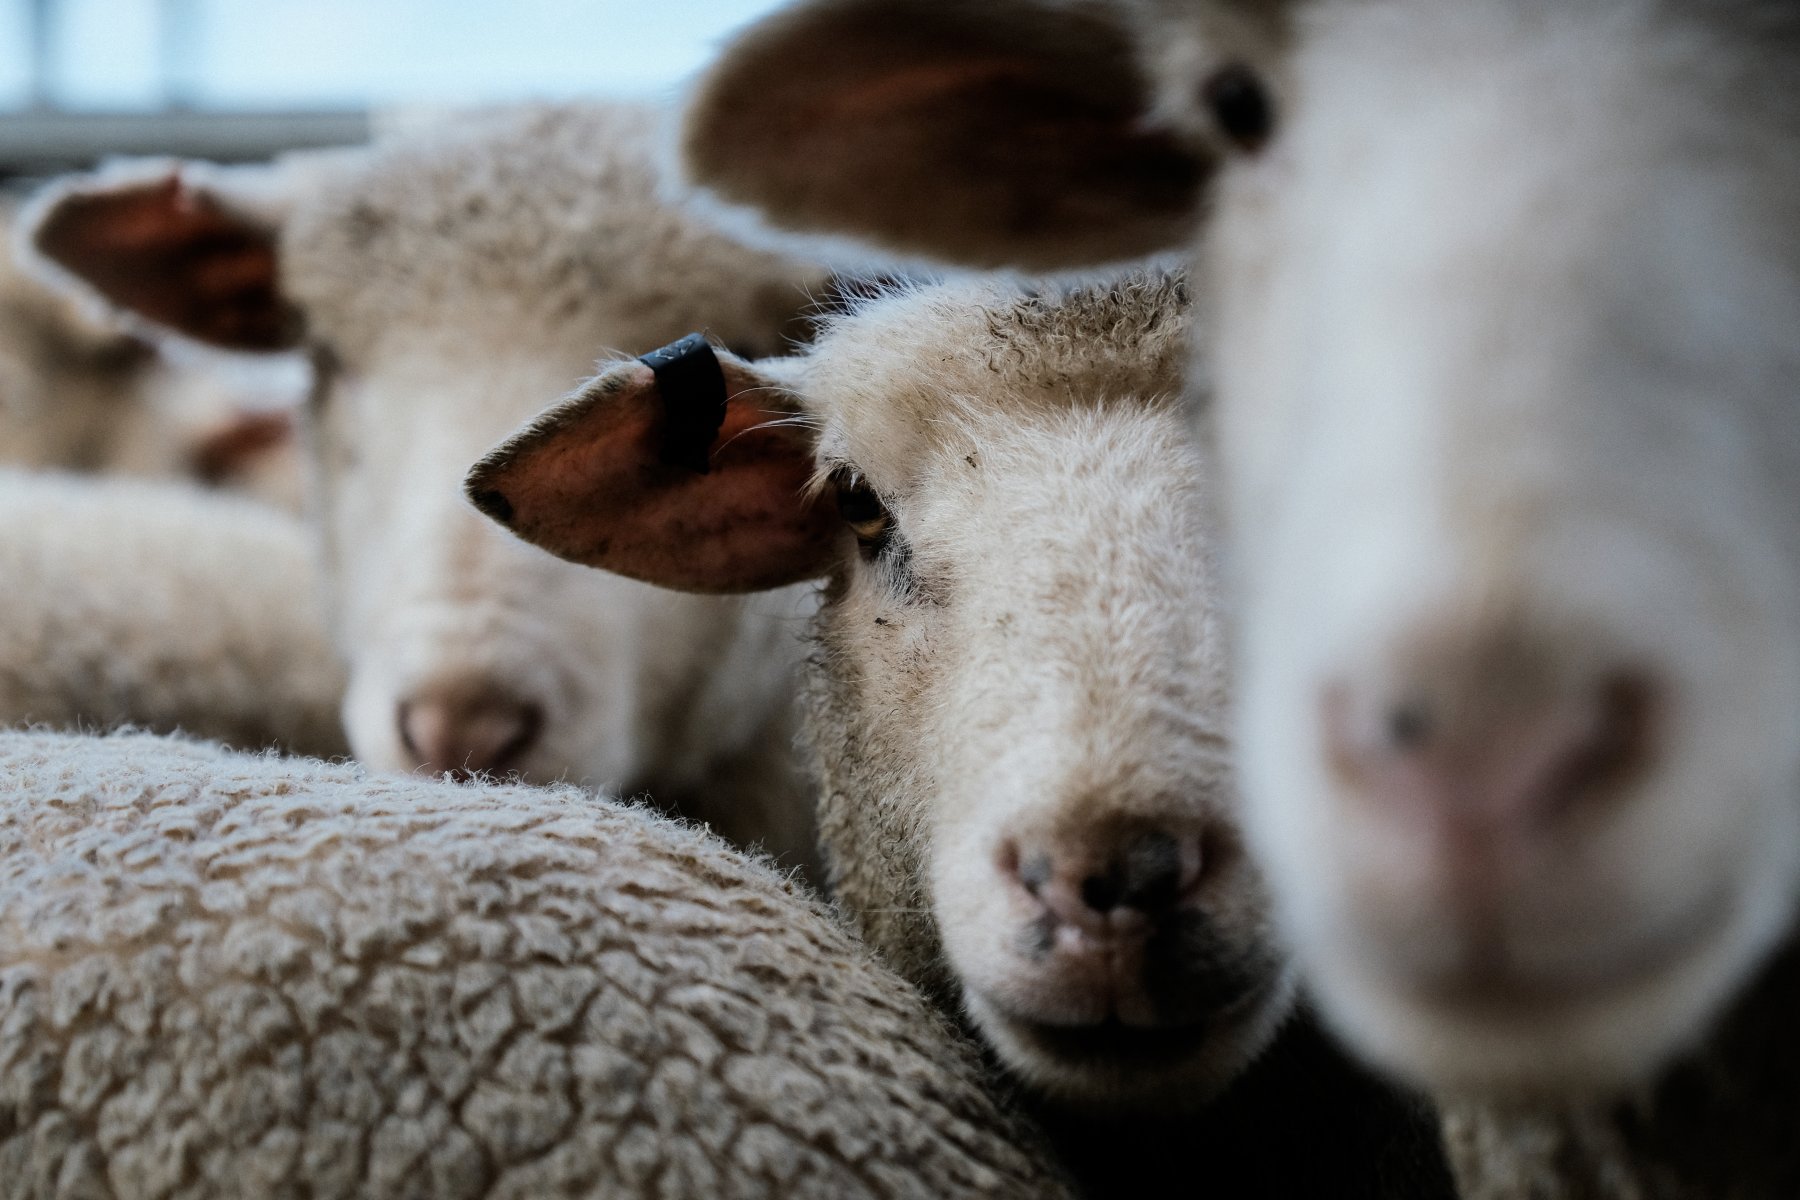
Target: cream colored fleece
166,607
227,975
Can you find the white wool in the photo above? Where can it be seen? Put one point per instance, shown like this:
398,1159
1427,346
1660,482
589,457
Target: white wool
227,975
162,606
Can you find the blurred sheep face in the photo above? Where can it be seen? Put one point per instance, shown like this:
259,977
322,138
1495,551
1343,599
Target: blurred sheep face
1510,431
1502,302
1017,689
448,284
462,640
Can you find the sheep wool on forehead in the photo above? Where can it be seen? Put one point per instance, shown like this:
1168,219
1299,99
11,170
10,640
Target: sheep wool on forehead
555,214
972,363
229,975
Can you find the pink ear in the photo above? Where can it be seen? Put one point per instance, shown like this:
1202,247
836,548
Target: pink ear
173,255
608,478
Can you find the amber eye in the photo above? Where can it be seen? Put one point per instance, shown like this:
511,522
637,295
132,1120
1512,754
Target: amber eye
863,511
1240,104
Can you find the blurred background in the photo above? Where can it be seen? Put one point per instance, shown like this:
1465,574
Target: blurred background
242,79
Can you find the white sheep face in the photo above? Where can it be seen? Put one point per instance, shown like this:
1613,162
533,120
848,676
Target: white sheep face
1507,418
1026,673
470,650
1017,690
447,284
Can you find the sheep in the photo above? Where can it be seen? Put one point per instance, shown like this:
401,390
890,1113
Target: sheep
1014,699
159,605
1501,307
228,975
76,394
444,282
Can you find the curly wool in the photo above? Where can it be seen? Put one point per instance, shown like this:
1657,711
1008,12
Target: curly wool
165,607
230,975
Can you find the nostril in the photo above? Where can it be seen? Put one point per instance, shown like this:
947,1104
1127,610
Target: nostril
1157,868
1033,869
1099,881
1149,874
422,731
1593,752
524,725
1408,725
1501,744
1035,873
1103,893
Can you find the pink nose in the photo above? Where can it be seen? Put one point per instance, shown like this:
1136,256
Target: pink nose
1104,889
465,734
1490,753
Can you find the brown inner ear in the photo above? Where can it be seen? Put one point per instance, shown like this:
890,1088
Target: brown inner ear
997,135
175,256
589,483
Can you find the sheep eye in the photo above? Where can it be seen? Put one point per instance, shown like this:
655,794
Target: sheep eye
1240,104
863,511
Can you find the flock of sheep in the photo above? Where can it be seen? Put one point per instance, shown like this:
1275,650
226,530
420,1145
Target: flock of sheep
1304,702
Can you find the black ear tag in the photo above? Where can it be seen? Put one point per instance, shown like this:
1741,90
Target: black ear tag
692,386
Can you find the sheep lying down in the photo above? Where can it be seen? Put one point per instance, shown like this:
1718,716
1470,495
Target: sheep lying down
162,606
226,975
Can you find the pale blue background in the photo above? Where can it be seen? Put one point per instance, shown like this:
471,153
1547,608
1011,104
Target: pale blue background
272,54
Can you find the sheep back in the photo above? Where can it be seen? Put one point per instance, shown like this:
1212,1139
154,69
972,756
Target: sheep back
226,974
162,606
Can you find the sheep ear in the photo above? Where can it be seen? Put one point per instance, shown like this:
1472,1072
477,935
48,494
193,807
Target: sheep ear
165,243
999,133
679,469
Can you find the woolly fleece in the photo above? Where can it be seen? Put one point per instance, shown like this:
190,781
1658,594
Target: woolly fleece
231,975
162,606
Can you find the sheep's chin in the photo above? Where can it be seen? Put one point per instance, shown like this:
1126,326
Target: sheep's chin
1597,1032
1116,1067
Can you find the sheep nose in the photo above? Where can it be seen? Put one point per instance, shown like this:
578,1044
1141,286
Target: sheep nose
467,734
1493,754
1118,888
